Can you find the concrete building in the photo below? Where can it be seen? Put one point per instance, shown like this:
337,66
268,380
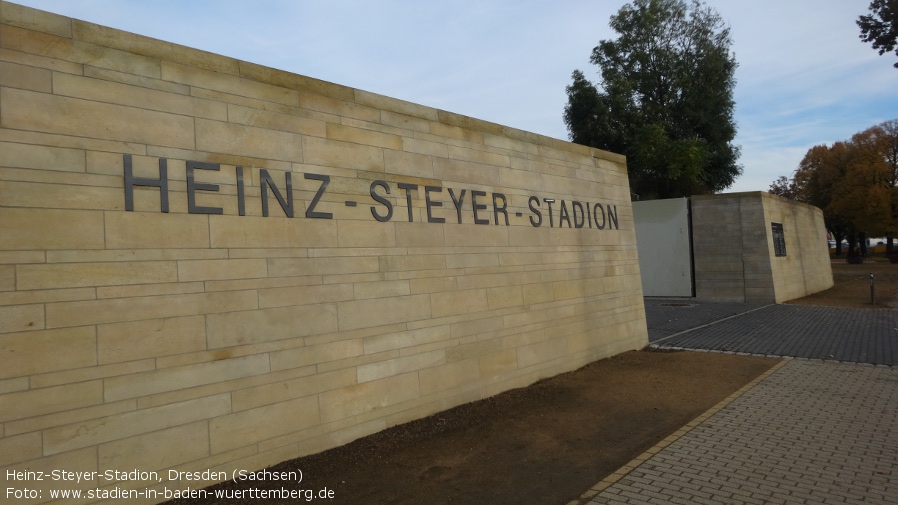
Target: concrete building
748,247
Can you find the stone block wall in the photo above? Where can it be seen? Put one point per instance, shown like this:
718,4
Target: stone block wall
206,264
734,251
806,267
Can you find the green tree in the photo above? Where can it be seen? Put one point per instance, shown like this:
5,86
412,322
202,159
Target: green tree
665,99
881,27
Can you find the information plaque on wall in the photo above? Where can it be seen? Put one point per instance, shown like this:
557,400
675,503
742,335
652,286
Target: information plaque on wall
779,239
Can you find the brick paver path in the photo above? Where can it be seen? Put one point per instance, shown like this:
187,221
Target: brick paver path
812,432
822,430
851,335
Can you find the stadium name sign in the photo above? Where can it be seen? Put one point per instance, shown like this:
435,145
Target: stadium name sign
486,208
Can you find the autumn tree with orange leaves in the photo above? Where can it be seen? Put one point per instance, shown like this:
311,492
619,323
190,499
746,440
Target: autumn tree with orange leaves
854,182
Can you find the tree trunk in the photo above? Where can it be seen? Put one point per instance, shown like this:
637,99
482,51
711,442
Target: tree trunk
862,243
838,238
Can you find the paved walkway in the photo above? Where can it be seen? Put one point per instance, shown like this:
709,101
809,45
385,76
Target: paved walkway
811,431
799,331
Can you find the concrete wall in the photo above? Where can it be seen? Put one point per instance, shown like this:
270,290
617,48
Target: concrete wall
213,337
665,248
734,250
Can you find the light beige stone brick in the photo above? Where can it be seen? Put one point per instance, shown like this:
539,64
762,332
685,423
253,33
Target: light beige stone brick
498,364
276,121
334,153
425,147
129,424
395,105
363,234
171,288
458,302
7,278
20,448
64,314
70,275
315,354
25,77
304,295
406,339
158,450
219,137
183,377
540,352
212,109
475,235
278,392
294,81
323,266
148,230
206,270
267,325
479,326
405,121
33,60
461,172
472,350
449,376
383,311
248,232
44,296
441,129
37,352
93,119
363,137
33,19
412,263
231,84
419,235
90,373
479,156
21,257
122,94
472,260
12,385
60,229
337,107
381,289
18,318
26,194
35,402
367,397
401,365
261,423
410,165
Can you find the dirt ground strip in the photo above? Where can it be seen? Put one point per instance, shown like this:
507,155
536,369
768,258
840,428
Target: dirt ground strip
852,286
544,444
550,442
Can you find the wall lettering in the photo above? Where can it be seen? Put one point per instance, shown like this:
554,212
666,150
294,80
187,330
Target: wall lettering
561,213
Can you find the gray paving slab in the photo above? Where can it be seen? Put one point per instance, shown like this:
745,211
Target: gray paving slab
668,316
849,335
812,432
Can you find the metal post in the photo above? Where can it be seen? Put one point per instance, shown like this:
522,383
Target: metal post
872,290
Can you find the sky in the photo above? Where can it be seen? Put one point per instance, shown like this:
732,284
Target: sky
804,78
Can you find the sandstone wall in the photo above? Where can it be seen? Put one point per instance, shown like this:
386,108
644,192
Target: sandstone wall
209,264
